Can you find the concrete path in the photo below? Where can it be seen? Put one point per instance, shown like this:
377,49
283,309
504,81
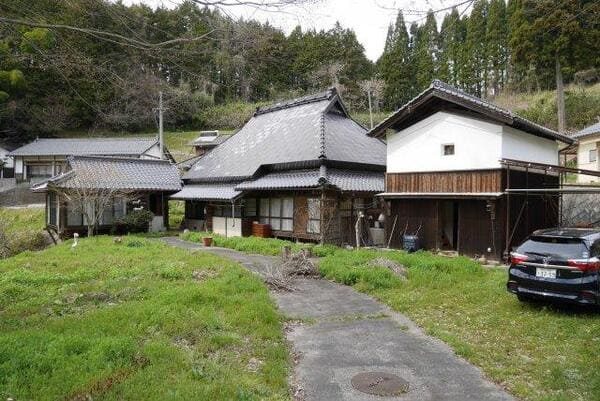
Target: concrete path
345,333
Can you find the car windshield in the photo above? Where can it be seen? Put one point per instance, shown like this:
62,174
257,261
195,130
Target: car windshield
564,248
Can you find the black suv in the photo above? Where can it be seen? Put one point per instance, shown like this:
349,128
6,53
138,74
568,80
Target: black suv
560,264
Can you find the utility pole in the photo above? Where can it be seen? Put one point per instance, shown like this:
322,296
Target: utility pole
370,109
161,139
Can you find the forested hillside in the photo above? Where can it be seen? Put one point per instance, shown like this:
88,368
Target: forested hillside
97,65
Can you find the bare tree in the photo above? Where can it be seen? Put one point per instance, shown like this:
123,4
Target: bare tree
92,202
374,90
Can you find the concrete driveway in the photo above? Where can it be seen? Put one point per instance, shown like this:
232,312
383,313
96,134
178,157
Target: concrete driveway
341,333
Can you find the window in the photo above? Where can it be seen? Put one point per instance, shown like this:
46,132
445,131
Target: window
113,211
39,170
448,149
278,212
264,211
314,216
250,207
593,155
74,216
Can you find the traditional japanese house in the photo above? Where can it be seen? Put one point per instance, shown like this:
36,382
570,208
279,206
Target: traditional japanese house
461,170
114,185
303,167
46,157
587,152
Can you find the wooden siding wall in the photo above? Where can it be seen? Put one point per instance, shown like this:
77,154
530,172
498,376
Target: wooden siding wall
445,181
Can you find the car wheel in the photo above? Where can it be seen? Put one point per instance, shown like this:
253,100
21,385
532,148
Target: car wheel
524,298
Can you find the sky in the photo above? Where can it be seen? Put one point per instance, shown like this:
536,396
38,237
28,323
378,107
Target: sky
368,18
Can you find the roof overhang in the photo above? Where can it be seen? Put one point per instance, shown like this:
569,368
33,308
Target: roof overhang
440,94
440,195
208,192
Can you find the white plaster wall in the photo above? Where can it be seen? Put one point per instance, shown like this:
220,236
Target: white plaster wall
18,165
477,145
519,145
9,162
583,159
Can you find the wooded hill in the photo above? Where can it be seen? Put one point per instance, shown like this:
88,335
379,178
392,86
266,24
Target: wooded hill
55,78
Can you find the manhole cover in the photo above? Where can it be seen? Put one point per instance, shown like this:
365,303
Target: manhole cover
379,383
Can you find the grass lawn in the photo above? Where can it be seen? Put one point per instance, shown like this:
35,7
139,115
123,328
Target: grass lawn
537,352
136,321
23,228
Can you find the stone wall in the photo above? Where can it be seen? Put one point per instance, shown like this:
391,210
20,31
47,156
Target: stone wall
581,210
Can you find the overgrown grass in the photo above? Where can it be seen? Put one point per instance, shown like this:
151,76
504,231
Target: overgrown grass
136,321
176,214
582,106
538,352
23,229
259,246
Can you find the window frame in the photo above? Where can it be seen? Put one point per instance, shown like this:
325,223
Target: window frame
316,219
276,218
448,146
593,152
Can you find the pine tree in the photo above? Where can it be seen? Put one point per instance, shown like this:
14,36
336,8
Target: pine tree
425,56
452,41
393,66
496,38
475,62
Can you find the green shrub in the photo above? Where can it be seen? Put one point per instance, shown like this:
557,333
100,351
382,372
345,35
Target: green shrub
137,221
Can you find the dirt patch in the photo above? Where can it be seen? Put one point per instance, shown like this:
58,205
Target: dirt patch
398,269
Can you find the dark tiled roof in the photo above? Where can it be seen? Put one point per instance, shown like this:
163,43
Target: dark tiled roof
293,179
442,90
587,131
344,180
311,128
86,146
209,191
118,173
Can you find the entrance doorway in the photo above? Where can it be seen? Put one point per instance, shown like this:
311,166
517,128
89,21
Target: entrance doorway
448,225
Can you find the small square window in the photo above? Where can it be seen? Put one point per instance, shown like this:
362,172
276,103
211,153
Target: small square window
593,155
448,149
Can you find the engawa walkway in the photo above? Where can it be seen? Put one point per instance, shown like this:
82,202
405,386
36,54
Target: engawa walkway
347,333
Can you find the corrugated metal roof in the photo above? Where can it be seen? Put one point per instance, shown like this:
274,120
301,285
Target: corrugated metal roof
118,173
591,130
451,94
85,146
306,129
217,191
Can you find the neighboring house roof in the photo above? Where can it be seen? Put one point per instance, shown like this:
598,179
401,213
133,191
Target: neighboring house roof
299,133
209,192
203,142
92,172
85,146
593,129
439,94
186,164
344,180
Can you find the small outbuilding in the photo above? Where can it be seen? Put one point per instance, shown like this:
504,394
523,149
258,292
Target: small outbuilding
460,173
108,188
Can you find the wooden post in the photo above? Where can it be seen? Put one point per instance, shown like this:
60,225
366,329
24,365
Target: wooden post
507,236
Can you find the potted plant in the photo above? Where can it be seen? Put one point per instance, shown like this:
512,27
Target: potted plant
207,241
